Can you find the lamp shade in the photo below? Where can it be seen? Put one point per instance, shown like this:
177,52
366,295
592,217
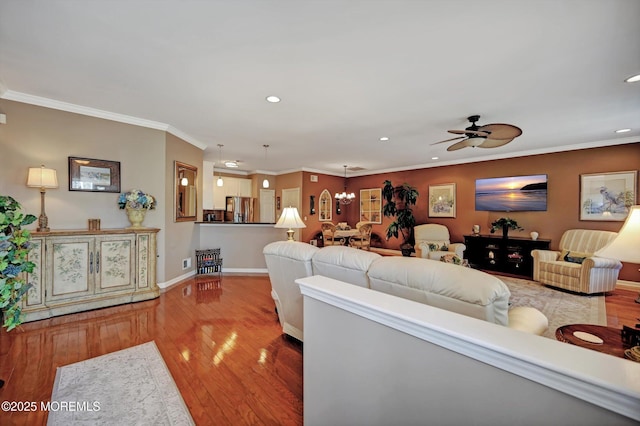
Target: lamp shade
41,177
290,219
626,246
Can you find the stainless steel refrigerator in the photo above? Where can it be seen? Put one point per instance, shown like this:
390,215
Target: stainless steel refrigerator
239,209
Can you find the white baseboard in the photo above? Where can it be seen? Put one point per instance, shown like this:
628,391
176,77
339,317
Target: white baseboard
165,285
628,285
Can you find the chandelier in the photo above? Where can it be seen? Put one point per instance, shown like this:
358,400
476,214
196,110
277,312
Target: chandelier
344,197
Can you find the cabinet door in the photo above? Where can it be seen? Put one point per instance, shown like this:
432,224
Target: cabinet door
244,187
146,261
35,295
70,267
115,263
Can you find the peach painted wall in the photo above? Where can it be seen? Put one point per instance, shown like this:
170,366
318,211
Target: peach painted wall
563,170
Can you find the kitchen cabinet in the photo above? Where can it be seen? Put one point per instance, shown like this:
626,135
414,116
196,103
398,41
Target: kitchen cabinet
82,270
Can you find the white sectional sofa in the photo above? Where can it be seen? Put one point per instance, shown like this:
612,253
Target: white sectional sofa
454,288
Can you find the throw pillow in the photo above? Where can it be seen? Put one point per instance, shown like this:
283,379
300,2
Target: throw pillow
451,258
573,259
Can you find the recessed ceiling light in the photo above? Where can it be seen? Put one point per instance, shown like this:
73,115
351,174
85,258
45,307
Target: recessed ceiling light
633,78
384,138
623,130
435,158
231,164
273,99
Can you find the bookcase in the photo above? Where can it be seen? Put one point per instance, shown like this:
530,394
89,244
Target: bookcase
509,255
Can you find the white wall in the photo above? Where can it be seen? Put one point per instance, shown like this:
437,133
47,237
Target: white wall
372,358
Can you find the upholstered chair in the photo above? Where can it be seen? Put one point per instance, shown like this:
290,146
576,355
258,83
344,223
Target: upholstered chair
328,231
362,240
574,267
433,242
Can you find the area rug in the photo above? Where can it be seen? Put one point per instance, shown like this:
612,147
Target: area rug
128,387
560,307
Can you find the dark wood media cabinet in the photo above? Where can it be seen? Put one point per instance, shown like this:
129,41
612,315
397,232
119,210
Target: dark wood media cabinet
509,255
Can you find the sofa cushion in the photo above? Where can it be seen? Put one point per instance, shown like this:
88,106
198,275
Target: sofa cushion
447,286
344,263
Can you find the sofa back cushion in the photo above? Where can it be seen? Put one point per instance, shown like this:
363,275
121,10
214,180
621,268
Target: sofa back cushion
585,241
446,286
344,263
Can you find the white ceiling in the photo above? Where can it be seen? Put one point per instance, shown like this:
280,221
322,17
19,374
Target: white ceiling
348,73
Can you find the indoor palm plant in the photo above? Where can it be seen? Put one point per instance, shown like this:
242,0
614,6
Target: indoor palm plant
14,248
398,202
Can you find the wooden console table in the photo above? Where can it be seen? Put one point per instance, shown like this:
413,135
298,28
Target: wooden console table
510,255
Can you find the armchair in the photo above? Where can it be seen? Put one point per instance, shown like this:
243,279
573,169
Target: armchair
433,242
574,267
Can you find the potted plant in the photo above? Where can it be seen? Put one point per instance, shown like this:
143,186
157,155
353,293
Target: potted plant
14,247
398,202
505,223
136,203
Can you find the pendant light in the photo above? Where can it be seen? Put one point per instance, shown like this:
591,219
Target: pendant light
219,182
265,182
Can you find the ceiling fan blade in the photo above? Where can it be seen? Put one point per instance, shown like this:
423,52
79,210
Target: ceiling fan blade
449,140
494,143
501,131
468,132
459,145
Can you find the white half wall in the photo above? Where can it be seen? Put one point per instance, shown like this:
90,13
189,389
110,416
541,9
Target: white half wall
375,359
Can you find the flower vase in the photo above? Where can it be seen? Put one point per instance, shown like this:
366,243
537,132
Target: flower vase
136,217
505,231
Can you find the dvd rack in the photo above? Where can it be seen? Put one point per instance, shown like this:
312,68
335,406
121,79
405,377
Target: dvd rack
208,262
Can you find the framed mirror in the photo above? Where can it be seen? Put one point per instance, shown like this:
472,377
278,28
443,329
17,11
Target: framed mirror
324,206
186,185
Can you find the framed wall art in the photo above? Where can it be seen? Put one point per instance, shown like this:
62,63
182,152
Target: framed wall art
607,196
91,175
442,200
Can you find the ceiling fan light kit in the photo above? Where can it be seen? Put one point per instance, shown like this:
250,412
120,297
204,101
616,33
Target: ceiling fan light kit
487,136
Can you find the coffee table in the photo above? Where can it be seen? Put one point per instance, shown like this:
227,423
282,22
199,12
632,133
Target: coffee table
611,337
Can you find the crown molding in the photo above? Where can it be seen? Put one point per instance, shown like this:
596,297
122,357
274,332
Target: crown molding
97,113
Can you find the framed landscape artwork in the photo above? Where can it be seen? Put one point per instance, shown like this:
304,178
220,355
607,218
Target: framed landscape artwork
607,196
89,174
442,200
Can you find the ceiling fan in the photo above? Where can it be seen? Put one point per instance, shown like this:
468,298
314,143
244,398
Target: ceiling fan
487,136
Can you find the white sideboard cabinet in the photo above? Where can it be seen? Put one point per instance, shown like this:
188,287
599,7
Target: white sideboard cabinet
81,270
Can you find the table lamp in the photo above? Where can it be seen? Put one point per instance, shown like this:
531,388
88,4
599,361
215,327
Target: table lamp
626,246
43,178
290,219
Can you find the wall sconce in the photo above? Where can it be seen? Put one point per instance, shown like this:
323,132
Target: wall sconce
43,178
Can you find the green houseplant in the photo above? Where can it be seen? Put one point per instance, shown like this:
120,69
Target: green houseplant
14,247
398,202
505,223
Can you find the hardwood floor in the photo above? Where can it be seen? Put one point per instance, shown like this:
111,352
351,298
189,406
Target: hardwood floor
221,340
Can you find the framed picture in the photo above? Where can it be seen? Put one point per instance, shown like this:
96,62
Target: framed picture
607,196
91,175
442,200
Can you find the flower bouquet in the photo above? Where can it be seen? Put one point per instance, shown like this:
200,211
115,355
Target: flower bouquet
136,199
